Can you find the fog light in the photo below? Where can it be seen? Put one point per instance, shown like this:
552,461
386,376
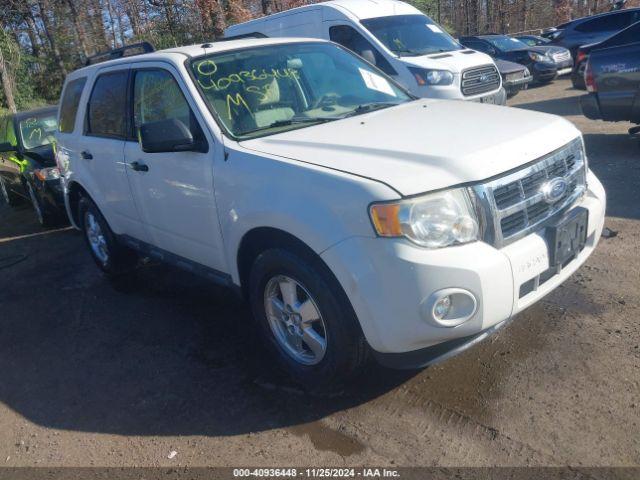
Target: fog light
449,307
442,307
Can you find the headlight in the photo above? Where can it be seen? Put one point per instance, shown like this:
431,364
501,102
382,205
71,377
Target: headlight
45,174
431,77
537,57
434,220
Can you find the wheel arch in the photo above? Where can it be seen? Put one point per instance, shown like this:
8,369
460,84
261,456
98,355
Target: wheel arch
75,191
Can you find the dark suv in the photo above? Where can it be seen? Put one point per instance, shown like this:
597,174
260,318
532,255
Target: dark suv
27,164
612,76
503,47
596,28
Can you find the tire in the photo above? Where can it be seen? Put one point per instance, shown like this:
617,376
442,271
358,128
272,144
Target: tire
43,215
111,257
577,80
9,197
284,318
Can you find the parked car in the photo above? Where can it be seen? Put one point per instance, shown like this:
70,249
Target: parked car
577,75
355,218
612,77
397,38
515,77
503,47
27,164
593,29
560,55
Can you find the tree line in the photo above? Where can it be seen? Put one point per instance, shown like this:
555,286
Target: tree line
42,40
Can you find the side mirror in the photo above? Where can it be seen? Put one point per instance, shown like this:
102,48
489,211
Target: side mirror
170,135
492,51
7,147
368,56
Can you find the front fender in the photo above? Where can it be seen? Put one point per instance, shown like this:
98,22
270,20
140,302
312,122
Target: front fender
319,206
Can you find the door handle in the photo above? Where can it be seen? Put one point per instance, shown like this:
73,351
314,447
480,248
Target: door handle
86,155
139,167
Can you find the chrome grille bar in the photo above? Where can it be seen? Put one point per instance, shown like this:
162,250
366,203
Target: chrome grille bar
514,205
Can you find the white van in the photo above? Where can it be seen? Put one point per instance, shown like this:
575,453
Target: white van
397,38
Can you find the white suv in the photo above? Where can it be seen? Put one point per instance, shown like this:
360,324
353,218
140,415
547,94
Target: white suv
355,218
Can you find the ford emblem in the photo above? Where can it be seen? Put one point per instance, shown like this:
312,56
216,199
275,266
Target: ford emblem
484,77
554,189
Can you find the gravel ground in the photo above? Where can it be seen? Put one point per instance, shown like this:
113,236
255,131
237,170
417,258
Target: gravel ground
98,375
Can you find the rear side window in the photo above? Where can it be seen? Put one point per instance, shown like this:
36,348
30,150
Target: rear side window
107,111
607,23
70,102
630,35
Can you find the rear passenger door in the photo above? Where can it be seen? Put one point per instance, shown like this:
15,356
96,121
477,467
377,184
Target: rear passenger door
617,69
101,152
173,190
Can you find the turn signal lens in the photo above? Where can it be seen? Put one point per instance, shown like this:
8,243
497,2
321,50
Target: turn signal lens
386,219
45,174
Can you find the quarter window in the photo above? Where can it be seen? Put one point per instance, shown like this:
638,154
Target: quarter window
69,105
108,105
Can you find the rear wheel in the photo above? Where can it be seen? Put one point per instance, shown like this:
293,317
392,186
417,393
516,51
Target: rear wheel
306,319
112,258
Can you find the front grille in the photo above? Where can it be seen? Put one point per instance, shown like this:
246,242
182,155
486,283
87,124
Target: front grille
480,80
516,205
562,56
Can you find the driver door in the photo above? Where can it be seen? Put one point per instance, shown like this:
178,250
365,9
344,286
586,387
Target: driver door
173,190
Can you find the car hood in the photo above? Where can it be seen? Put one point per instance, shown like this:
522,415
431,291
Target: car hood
508,67
552,49
455,61
425,144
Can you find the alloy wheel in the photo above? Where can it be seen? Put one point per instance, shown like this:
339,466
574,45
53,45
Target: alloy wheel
295,320
35,203
3,189
97,240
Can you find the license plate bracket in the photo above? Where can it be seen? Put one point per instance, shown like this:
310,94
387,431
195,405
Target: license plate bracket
567,238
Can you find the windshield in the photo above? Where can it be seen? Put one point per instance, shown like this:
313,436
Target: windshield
38,130
411,35
506,44
265,90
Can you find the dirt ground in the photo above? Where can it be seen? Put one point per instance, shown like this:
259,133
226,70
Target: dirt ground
94,375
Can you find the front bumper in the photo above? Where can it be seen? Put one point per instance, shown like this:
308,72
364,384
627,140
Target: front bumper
389,280
51,195
543,72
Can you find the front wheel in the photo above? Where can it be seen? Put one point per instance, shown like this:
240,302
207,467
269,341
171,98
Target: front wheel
112,258
9,197
45,218
306,319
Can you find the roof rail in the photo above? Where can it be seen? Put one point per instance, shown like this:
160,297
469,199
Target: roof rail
244,35
142,47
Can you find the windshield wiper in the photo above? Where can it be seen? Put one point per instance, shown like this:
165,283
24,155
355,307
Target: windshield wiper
291,121
369,107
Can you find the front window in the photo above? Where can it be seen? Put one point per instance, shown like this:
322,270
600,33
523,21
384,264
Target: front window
411,35
38,130
265,90
506,44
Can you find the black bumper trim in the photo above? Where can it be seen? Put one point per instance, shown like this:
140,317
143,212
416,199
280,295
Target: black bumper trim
436,353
